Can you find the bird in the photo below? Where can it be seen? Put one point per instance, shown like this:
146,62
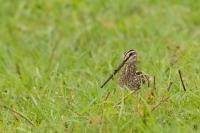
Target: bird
129,77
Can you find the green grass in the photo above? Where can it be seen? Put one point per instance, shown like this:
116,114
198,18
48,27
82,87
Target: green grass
55,54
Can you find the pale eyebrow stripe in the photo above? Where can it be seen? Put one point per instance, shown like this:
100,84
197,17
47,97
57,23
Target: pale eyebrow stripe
130,51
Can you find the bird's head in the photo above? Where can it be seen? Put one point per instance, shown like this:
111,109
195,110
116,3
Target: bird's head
130,56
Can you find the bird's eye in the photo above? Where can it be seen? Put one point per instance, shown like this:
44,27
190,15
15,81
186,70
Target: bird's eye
130,54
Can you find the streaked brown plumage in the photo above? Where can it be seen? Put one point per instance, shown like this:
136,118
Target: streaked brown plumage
129,77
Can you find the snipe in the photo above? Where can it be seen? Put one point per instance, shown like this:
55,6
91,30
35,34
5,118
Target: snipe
130,77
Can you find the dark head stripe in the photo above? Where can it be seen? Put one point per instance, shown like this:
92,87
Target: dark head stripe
130,51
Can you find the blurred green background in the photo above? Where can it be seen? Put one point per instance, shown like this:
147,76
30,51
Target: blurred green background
55,54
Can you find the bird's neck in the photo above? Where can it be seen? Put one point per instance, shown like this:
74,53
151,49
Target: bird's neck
129,68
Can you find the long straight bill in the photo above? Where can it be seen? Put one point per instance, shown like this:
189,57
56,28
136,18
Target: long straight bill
115,72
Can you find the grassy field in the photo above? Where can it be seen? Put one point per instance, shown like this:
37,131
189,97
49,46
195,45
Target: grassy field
55,54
